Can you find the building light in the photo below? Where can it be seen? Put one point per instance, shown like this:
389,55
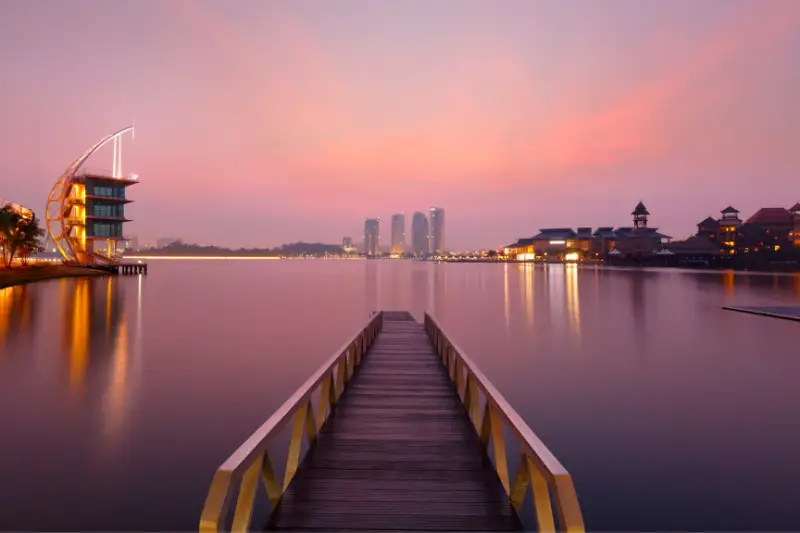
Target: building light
572,256
777,247
558,242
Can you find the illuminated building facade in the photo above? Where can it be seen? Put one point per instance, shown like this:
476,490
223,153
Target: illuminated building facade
398,234
566,244
347,245
86,210
768,230
420,237
437,230
795,234
372,234
639,242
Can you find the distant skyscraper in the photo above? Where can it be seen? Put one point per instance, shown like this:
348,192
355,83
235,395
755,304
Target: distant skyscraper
398,233
132,244
347,244
420,243
163,242
437,230
372,236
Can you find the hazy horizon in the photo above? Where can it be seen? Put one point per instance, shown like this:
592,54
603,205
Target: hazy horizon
302,119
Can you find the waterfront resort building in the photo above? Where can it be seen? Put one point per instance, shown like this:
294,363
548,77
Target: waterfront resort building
566,244
86,209
771,232
420,238
398,234
372,234
437,231
639,242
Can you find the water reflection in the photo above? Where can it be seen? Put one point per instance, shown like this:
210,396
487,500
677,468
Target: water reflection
17,312
371,298
728,282
507,304
529,270
573,300
637,301
98,345
556,292
94,318
608,426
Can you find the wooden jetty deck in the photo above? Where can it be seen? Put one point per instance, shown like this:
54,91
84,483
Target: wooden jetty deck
408,435
784,312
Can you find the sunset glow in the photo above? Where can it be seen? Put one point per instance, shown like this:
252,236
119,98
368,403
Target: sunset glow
301,119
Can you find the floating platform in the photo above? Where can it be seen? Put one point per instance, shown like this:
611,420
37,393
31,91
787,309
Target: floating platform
784,312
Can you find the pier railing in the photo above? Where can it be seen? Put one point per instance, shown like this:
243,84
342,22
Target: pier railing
537,467
251,462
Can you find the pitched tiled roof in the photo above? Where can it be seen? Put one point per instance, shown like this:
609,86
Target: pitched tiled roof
709,222
771,215
795,207
521,243
584,233
694,245
606,232
622,232
646,232
728,210
555,233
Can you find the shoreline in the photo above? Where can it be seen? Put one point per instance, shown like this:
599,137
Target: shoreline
21,275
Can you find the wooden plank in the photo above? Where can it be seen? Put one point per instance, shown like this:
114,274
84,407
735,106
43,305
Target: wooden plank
399,451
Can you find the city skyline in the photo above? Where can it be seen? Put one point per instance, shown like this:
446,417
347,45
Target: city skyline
515,117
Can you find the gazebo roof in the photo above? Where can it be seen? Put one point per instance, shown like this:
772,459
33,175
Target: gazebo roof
640,210
729,210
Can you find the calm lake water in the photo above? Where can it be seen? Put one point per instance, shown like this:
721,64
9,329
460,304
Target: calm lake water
119,397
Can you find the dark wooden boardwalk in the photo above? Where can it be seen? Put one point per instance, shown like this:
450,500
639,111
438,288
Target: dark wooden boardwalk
399,452
785,312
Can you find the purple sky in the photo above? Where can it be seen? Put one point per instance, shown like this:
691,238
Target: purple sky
261,122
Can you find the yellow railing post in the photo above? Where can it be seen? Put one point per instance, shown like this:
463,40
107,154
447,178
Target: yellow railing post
252,460
247,494
293,459
538,468
541,499
270,481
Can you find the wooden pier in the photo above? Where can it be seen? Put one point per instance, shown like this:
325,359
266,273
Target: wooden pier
126,269
789,312
407,434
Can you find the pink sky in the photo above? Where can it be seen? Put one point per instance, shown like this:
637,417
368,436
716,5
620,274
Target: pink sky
259,123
